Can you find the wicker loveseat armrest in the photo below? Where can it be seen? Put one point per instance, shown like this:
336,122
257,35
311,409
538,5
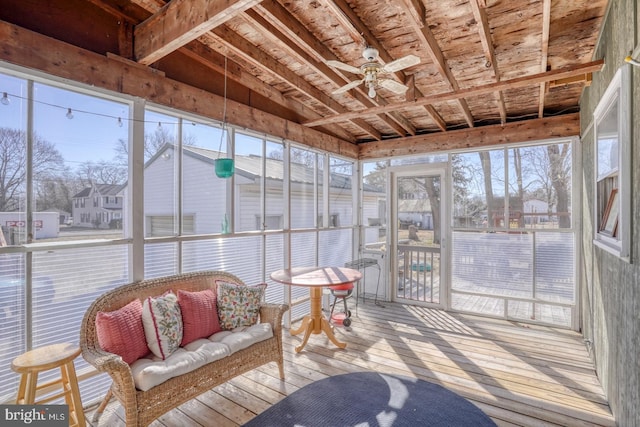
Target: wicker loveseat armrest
272,313
106,362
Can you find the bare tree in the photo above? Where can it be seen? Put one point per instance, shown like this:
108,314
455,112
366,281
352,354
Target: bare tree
101,172
153,142
48,164
560,172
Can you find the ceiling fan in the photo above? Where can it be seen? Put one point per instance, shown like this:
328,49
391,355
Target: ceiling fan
372,68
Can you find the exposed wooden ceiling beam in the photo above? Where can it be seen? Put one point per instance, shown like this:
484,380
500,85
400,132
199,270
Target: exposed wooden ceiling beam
180,22
518,82
301,52
430,44
32,50
562,126
200,52
355,24
480,15
546,23
267,64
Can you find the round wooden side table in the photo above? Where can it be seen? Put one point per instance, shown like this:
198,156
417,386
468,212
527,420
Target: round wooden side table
61,356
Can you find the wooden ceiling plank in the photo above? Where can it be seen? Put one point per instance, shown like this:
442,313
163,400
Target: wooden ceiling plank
180,22
259,59
432,48
480,15
266,63
293,35
32,50
201,53
562,126
346,16
437,118
208,57
546,24
294,47
502,85
355,25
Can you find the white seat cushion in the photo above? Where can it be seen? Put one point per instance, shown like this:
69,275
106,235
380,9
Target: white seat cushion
243,336
148,373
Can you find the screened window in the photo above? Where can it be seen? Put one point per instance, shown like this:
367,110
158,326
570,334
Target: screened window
374,203
513,246
249,158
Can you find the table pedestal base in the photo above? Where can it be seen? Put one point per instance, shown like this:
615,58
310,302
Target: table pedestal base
316,322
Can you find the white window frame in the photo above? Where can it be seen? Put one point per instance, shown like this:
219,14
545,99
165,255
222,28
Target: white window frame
619,91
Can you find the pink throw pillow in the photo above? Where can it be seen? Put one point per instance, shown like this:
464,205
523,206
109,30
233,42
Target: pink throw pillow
121,332
199,314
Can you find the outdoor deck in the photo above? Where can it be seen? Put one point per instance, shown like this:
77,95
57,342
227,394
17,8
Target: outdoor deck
520,375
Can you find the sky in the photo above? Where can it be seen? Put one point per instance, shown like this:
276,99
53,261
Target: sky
97,124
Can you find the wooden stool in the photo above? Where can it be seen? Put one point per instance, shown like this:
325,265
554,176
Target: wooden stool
53,356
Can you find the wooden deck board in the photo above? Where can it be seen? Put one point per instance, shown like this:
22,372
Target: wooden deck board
520,375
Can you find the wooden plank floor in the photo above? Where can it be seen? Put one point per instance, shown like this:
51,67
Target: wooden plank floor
520,375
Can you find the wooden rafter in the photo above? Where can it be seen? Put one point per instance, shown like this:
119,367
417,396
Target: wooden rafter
518,82
546,23
32,50
180,22
302,52
258,58
268,64
430,45
355,24
200,52
484,31
562,126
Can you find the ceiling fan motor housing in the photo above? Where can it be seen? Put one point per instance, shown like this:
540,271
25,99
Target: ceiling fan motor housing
370,53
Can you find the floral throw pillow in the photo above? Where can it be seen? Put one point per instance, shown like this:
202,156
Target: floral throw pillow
239,305
162,322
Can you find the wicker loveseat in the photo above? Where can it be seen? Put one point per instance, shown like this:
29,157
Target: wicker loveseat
142,407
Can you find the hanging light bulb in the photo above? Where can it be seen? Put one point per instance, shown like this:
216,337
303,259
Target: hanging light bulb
69,114
372,90
119,122
5,99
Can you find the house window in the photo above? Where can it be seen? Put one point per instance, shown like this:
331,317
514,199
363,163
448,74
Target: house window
272,222
612,166
334,220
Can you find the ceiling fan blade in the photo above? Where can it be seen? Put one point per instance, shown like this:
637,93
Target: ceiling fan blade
393,86
347,87
401,63
343,66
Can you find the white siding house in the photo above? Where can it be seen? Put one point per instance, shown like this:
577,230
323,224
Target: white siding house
205,201
99,206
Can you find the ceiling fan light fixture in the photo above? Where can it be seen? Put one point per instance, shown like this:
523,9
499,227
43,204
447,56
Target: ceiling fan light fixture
372,91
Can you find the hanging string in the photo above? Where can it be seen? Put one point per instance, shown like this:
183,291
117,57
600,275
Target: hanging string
224,108
6,100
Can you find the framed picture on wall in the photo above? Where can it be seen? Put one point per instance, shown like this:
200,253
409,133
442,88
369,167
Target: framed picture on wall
609,223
